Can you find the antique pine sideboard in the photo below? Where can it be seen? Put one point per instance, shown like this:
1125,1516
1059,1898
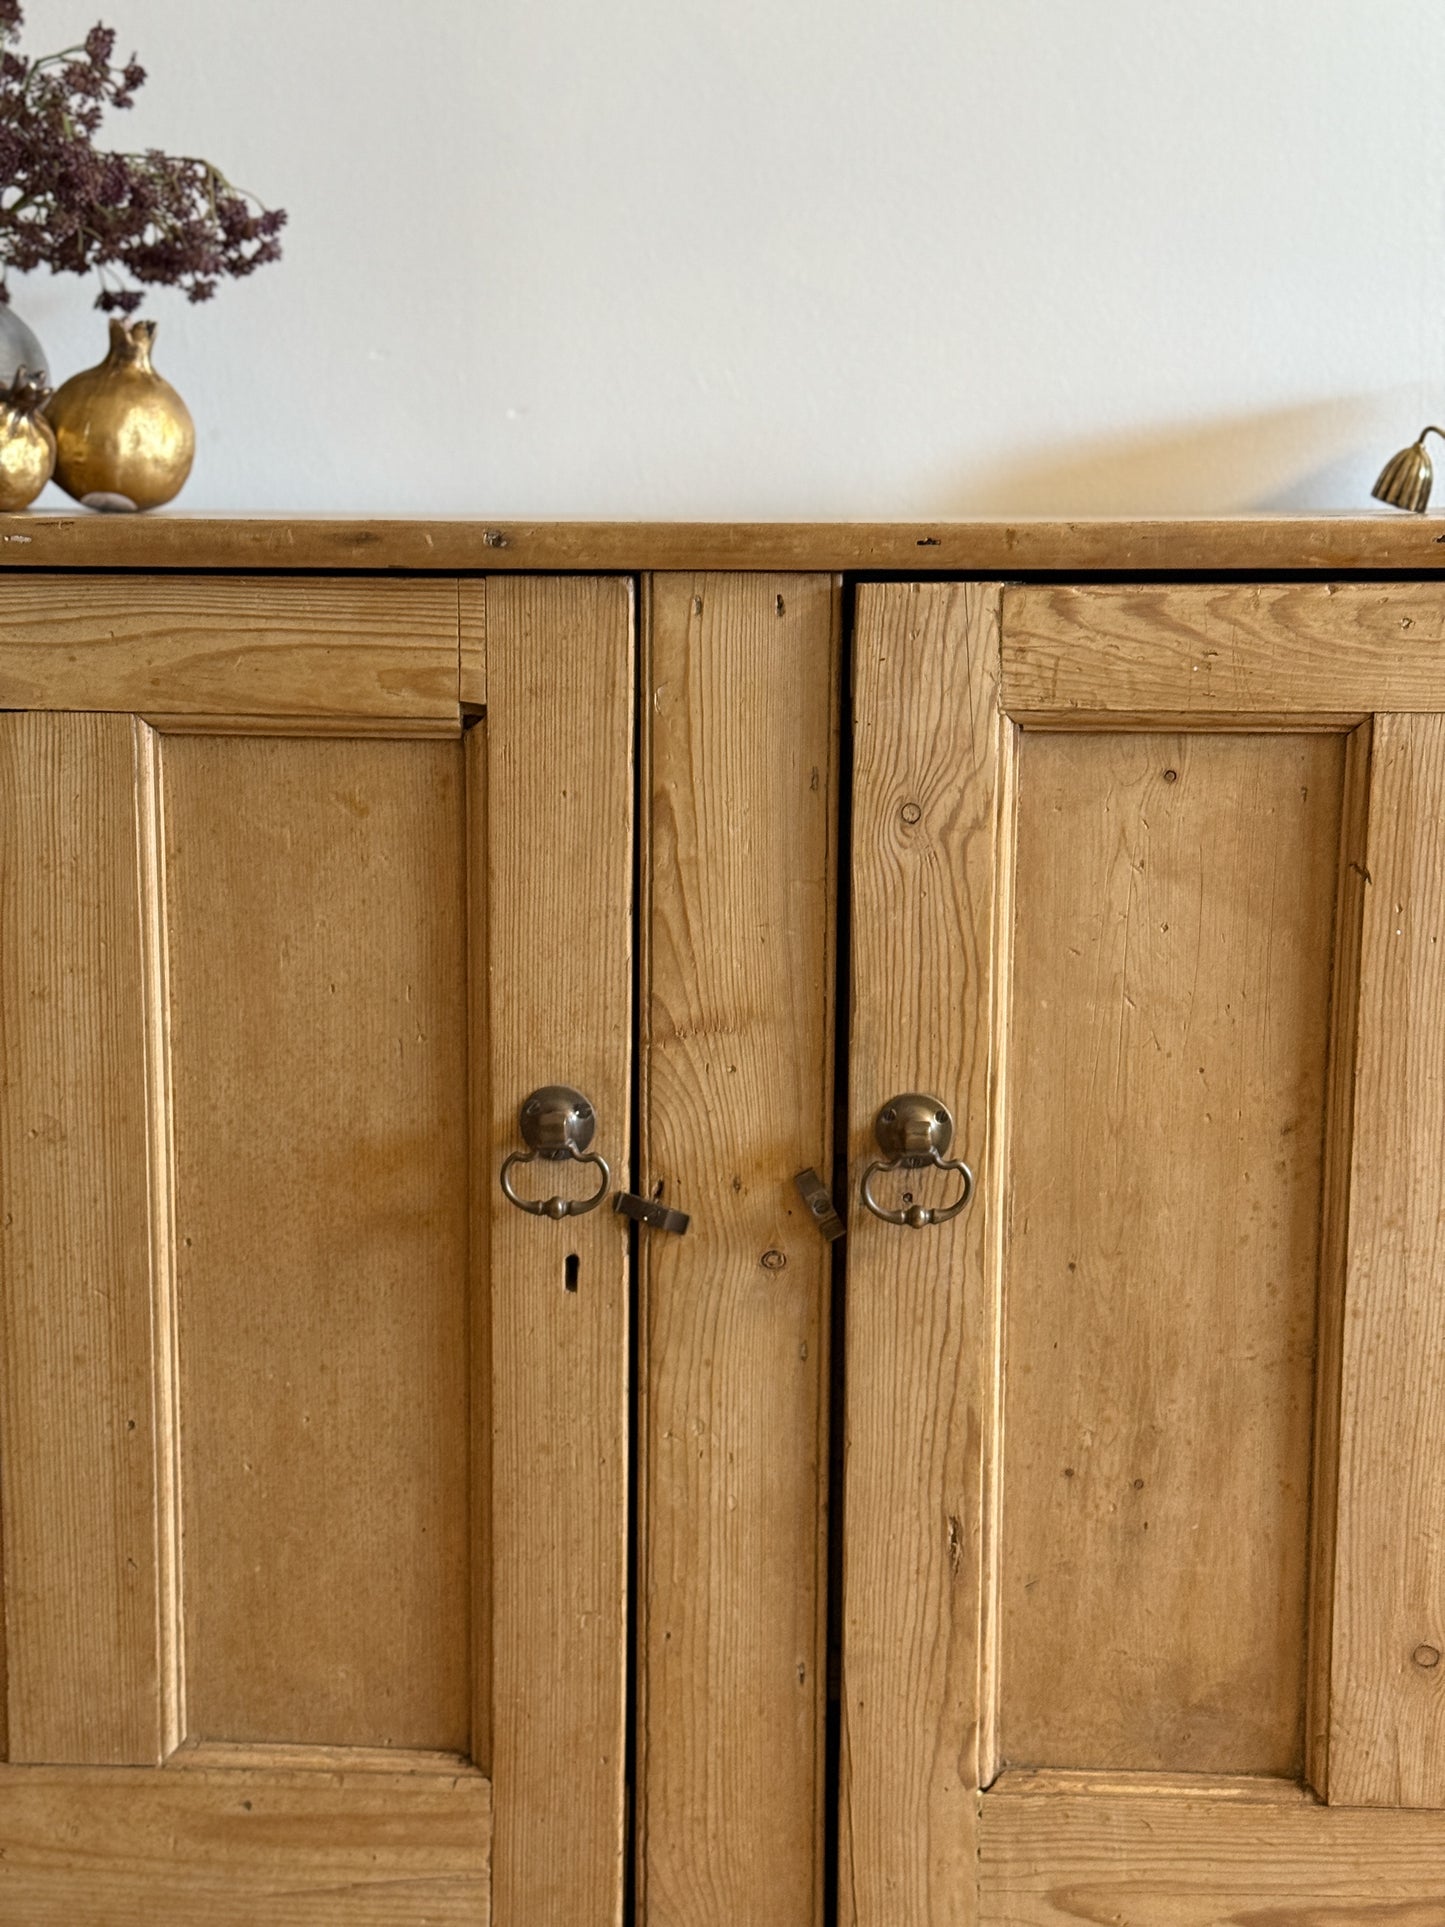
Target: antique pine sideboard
1064,1544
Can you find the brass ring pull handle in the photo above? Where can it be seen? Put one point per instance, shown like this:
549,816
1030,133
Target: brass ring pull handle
557,1123
913,1133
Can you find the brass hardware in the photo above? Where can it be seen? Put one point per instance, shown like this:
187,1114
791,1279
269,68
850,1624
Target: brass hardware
913,1132
819,1200
1405,480
648,1211
557,1123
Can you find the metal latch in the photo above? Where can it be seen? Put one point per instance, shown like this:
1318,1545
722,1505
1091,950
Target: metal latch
819,1200
648,1211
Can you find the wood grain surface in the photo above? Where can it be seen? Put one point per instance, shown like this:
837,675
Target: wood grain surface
1169,1043
229,644
472,662
318,1046
1170,1858
1248,648
741,734
243,1849
77,1437
1334,1245
558,896
1387,1728
1259,543
922,1324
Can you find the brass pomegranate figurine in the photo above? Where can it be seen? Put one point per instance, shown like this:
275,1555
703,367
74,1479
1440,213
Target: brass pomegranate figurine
124,438
27,441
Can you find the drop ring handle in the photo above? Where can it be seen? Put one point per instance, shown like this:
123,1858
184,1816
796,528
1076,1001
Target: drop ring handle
913,1132
557,1123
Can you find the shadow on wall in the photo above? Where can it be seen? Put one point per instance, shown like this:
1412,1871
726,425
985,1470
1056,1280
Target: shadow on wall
1320,456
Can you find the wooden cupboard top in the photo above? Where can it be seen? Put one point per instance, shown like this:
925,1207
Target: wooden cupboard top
1246,544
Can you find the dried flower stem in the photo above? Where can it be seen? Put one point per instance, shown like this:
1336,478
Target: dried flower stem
151,218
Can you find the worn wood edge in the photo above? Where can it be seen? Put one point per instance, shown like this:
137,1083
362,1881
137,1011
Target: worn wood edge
826,1497
1334,1247
472,643
221,1756
407,727
160,1173
1250,543
479,1220
995,1194
643,844
1055,1783
1148,721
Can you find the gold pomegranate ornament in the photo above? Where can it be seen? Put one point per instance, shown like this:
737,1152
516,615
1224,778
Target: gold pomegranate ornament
27,441
124,438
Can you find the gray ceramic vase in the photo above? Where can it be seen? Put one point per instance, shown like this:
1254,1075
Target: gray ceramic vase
19,349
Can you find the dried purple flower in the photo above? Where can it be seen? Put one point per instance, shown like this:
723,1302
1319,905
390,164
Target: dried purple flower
155,218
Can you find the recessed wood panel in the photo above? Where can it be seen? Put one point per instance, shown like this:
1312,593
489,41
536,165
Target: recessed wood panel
315,902
1169,1037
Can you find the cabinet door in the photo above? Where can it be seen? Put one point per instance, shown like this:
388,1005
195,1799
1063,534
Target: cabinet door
739,744
312,1449
1145,1491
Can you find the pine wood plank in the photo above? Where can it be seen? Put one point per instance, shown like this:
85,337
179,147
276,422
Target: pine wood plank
315,909
740,735
559,810
1387,1738
1056,1858
243,1849
1249,647
1258,543
393,728
922,1318
225,645
1334,1244
472,607
1169,1042
479,1224
210,1756
78,1444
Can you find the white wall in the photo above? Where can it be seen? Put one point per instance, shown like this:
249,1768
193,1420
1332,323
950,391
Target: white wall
799,258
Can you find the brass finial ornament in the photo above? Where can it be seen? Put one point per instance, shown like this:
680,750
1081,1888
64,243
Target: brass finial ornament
1405,479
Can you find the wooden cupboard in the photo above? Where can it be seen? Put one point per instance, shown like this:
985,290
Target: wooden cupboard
374,1550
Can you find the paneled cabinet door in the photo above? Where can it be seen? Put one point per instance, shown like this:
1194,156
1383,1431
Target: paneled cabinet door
1144,1594
313,1455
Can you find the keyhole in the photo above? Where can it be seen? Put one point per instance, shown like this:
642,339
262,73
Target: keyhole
573,1266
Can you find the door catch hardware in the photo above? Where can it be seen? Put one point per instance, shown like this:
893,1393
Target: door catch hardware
819,1200
914,1132
648,1211
557,1123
